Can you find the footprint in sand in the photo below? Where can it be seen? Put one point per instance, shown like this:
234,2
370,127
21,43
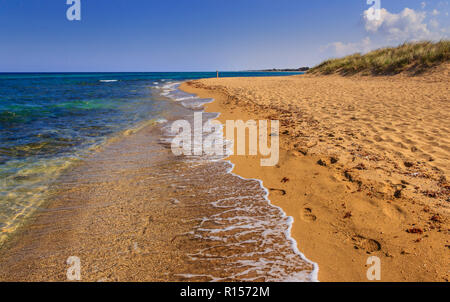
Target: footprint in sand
394,212
307,215
277,191
369,245
147,224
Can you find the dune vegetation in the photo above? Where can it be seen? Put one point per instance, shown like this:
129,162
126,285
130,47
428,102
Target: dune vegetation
413,58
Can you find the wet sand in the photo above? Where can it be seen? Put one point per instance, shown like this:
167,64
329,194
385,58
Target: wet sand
363,170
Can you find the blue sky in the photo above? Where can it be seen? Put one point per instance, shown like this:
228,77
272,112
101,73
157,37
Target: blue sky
200,35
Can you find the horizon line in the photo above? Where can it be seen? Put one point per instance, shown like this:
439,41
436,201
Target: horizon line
213,71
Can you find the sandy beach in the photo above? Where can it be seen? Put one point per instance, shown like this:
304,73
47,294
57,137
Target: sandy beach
215,149
364,166
363,171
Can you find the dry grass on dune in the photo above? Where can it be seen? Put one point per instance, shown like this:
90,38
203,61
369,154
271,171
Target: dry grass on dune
414,58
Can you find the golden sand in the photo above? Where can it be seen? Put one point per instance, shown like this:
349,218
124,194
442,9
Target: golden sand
365,163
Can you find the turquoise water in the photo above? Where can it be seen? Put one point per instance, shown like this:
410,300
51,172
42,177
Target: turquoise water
50,120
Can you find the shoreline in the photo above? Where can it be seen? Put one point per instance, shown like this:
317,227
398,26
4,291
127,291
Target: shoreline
336,224
293,242
136,212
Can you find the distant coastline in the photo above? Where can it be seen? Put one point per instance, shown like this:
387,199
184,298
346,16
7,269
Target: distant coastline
301,69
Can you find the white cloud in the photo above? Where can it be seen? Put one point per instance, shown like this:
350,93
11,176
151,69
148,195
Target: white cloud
434,23
342,49
435,12
392,29
408,25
